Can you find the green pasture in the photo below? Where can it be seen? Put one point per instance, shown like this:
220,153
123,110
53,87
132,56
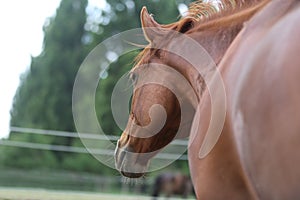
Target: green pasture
63,185
41,194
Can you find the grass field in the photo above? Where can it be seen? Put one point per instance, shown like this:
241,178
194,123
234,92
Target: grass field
40,194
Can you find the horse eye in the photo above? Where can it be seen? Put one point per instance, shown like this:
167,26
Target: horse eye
133,77
158,53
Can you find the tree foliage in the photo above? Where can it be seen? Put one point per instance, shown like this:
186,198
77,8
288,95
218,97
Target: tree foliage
44,97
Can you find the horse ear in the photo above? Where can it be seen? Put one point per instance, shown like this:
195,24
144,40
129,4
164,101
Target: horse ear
151,28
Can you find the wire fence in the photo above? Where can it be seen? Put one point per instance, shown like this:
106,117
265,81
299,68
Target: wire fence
77,135
71,149
77,181
63,133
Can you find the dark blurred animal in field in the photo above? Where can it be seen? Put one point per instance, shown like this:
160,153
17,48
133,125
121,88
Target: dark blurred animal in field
170,184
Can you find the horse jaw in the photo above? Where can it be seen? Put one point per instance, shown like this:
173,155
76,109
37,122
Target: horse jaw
130,164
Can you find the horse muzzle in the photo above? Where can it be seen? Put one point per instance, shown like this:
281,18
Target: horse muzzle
127,162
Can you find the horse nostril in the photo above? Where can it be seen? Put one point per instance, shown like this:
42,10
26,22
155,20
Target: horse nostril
118,143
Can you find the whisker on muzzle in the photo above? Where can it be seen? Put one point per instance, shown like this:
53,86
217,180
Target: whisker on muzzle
133,181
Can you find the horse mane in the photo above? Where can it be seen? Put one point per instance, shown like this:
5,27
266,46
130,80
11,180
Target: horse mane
225,13
207,10
200,9
212,14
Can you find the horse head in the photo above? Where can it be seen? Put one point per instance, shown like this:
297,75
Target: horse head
157,102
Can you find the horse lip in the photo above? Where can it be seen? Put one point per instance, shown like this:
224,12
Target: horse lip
132,175
135,170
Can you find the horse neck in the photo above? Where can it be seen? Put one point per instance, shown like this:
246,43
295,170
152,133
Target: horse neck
216,42
213,43
216,36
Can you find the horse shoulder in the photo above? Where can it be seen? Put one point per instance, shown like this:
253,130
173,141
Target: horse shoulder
262,80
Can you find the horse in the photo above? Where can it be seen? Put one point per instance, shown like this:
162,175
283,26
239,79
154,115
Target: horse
253,130
202,31
261,72
232,169
172,184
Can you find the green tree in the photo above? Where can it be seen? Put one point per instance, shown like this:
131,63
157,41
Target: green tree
44,97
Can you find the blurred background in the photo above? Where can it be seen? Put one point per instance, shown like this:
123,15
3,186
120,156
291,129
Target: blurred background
43,44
